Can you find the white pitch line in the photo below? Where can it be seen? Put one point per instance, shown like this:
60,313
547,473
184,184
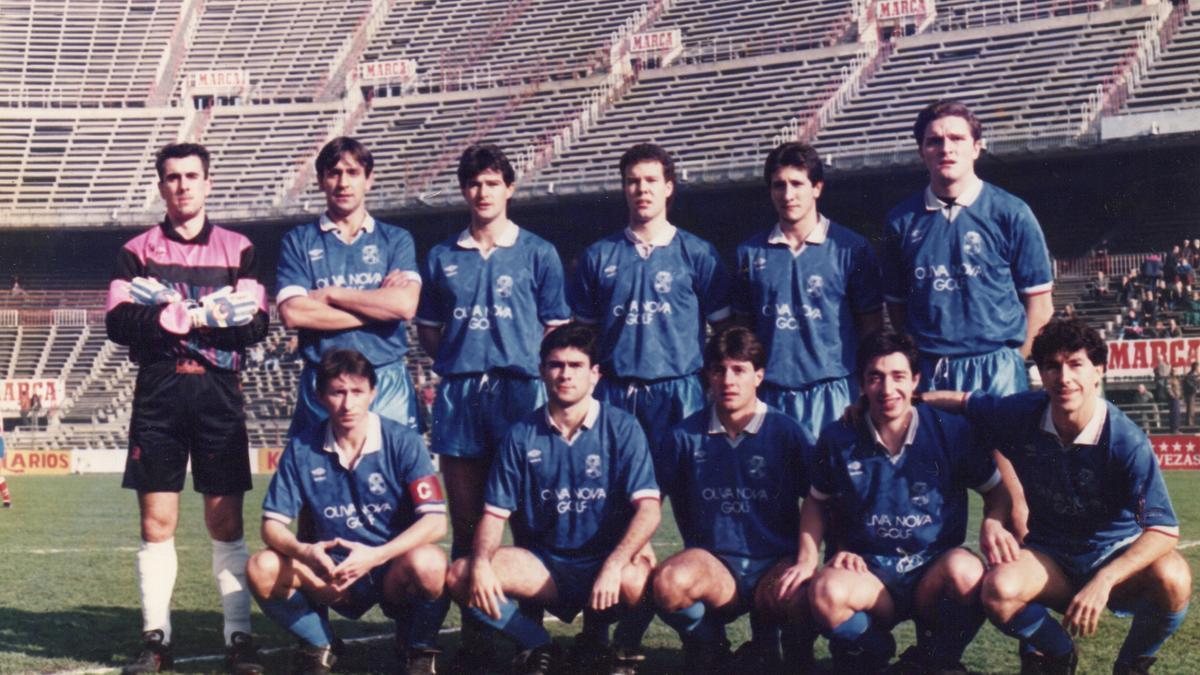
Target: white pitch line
1187,544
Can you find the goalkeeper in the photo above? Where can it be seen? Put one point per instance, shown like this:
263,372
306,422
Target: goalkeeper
186,299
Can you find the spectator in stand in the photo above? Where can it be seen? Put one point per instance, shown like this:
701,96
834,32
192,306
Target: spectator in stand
1133,326
1162,370
1174,401
1067,312
16,287
1128,288
1187,271
1191,387
1173,330
1174,294
1149,306
1159,330
1171,265
1100,289
1149,415
1152,269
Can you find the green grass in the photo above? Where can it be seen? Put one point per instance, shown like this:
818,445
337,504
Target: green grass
69,600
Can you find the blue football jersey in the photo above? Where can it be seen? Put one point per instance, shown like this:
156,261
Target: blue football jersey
651,311
962,280
313,257
903,511
492,309
571,499
738,497
1101,489
803,303
391,486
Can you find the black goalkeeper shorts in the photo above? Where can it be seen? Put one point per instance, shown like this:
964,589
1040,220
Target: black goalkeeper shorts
184,409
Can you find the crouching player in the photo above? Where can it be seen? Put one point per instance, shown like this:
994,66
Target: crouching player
1102,531
576,481
376,509
894,484
735,472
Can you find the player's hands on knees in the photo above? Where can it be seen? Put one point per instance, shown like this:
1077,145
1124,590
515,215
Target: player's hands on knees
316,557
853,562
606,590
792,579
1083,614
486,592
997,543
359,563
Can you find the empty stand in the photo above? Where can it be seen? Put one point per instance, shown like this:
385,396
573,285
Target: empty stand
738,29
1171,83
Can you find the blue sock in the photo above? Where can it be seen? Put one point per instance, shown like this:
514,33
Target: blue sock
515,624
300,618
595,627
1151,628
1034,625
417,625
859,631
693,624
764,634
632,626
953,628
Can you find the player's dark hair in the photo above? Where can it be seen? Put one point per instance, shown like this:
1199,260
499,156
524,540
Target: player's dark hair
881,343
736,343
797,155
571,336
946,108
179,151
338,362
482,157
648,152
1068,335
332,153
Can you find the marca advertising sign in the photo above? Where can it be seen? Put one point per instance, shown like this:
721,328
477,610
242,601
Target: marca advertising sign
658,41
217,81
1136,358
1177,453
16,391
398,70
888,10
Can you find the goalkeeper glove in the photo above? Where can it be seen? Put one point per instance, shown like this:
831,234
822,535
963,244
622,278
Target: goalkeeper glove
150,291
223,308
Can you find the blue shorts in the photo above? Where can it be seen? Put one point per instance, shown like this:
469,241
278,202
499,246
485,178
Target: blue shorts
1001,372
900,576
395,398
658,405
573,578
746,572
1079,568
813,407
365,593
473,413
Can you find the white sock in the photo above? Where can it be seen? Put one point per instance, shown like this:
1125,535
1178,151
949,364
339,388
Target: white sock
229,560
157,566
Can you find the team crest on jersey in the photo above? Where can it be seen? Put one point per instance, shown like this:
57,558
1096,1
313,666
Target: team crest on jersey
315,254
700,456
972,243
370,254
318,474
450,270
855,468
908,563
757,467
816,286
662,282
610,271
915,234
919,493
760,263
375,484
504,286
592,466
534,456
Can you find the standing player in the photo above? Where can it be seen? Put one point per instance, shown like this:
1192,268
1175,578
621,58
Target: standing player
577,483
377,513
736,472
186,299
490,293
965,265
810,290
1102,531
891,489
348,281
4,494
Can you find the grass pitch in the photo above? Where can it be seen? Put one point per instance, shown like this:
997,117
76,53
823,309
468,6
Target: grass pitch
69,599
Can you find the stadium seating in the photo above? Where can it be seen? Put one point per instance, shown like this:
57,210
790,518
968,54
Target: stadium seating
734,30
961,14
1171,82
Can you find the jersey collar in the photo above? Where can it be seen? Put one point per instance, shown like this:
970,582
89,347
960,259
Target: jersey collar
645,248
965,200
374,442
913,420
755,425
328,225
200,239
506,239
589,420
816,237
1089,435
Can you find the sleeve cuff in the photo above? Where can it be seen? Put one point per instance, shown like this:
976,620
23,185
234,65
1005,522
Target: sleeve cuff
719,315
1169,530
427,322
645,494
554,323
497,511
288,292
435,507
989,483
817,494
1038,289
409,275
278,517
